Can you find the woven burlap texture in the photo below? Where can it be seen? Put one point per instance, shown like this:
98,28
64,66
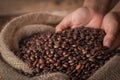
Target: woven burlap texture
26,25
10,36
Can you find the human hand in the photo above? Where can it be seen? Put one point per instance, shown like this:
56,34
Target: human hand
90,18
90,15
81,17
111,25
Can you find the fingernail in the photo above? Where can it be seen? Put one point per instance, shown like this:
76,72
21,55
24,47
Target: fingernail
107,43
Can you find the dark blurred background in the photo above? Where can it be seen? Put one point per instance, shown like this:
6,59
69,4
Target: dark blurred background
8,7
13,8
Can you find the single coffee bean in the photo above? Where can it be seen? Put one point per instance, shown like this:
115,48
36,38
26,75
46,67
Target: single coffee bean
78,66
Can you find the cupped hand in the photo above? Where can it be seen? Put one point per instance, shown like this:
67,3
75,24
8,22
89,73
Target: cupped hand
90,18
81,17
111,25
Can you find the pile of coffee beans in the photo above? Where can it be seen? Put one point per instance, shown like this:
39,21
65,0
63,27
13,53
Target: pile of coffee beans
76,52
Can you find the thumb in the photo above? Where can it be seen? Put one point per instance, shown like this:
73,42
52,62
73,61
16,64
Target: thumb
110,25
65,23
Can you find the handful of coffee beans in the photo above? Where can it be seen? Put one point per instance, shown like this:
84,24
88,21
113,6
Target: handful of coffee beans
76,52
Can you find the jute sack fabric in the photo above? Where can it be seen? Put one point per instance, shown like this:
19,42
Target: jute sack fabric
10,36
26,25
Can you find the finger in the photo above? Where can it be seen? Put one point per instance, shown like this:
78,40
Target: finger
80,17
110,25
64,24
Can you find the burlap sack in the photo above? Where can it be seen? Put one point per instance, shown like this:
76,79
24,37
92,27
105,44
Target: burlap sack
12,33
26,25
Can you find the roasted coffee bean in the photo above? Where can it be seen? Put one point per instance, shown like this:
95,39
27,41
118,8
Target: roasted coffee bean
78,66
77,52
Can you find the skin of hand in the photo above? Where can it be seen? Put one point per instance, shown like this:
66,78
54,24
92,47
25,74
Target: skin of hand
81,17
90,17
111,25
